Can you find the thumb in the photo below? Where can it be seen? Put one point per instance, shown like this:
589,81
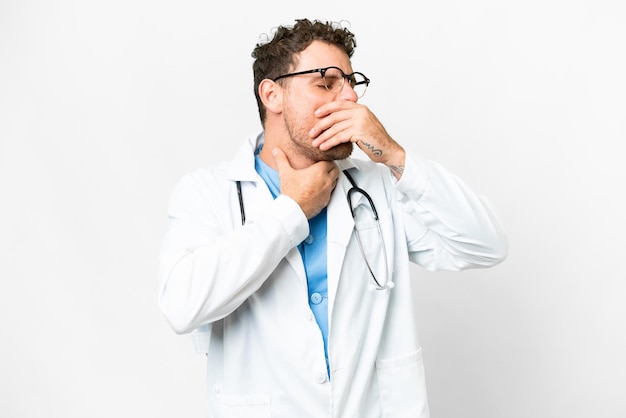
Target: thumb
282,163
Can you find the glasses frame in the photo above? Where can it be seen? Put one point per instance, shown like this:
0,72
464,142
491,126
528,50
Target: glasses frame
322,71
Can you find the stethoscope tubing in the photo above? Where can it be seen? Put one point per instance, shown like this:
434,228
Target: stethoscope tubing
351,191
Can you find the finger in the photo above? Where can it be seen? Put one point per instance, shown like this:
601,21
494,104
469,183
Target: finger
333,169
339,137
333,174
332,107
282,163
329,138
329,126
328,116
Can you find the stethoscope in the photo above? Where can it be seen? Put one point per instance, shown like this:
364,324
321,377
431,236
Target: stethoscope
377,285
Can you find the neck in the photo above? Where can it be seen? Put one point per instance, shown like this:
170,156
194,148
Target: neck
296,159
266,155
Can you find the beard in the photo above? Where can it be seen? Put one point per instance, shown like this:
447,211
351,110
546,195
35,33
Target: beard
301,144
338,152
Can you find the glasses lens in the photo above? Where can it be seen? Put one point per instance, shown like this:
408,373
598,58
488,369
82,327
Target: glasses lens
334,80
358,83
333,77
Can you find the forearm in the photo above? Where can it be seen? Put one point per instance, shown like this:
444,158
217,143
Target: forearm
207,282
449,226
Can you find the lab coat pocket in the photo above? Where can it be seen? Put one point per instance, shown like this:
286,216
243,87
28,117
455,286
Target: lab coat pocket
402,386
369,235
364,217
232,406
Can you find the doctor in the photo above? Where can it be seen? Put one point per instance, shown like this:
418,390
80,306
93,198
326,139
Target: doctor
290,263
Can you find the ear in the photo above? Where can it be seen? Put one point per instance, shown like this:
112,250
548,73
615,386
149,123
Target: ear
271,94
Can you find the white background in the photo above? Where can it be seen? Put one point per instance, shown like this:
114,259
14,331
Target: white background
105,105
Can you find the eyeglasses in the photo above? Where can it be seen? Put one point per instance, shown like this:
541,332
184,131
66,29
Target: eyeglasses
334,79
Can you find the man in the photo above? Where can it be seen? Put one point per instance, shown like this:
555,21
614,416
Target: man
290,263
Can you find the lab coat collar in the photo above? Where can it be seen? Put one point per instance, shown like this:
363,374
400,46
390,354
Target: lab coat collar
242,167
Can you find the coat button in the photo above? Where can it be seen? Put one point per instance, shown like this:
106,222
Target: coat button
309,240
316,298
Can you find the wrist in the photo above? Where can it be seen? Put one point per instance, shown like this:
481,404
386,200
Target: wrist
396,163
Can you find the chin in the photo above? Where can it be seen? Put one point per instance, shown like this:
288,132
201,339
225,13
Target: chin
339,152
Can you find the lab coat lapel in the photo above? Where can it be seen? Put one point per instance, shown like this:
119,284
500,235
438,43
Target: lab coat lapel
255,189
340,227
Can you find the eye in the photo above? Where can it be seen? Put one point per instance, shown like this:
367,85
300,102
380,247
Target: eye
323,84
333,83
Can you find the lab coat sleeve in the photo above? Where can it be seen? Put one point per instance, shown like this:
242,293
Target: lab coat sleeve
208,268
447,225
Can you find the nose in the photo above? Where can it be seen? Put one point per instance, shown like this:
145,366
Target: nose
348,93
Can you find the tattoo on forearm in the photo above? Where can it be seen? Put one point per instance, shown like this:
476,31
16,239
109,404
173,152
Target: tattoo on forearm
397,168
377,152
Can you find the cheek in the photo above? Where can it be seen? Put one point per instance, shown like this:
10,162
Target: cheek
301,110
303,117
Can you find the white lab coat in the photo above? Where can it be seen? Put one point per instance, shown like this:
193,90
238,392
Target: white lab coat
243,290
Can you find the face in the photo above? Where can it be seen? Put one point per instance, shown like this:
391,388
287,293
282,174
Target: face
303,94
